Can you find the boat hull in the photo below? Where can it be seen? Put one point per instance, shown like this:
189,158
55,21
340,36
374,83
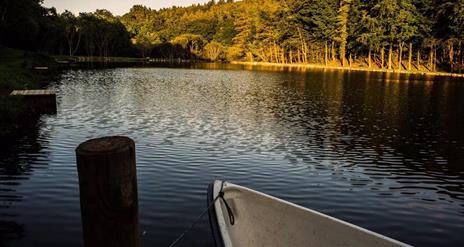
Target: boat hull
263,220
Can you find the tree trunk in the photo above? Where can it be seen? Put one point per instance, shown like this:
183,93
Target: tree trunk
382,56
461,57
303,47
302,53
431,59
343,54
269,55
418,59
249,56
410,57
369,58
332,52
79,37
70,48
282,55
305,53
308,52
271,50
274,54
400,56
451,55
73,48
351,60
326,58
329,53
390,54
277,53
343,16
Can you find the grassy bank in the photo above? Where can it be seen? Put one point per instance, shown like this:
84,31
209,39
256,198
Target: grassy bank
16,72
16,69
353,68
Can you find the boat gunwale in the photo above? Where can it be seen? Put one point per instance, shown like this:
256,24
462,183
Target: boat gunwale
213,221
219,214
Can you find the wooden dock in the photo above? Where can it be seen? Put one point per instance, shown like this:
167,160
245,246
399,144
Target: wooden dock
41,92
41,68
38,101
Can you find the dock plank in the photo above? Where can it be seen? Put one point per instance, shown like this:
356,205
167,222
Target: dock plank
39,92
37,101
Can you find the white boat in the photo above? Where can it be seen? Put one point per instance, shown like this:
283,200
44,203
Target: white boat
240,216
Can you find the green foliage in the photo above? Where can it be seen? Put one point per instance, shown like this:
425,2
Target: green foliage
16,69
103,34
213,51
226,31
290,31
457,19
20,22
319,18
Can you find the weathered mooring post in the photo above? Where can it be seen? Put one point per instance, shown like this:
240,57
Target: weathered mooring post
108,192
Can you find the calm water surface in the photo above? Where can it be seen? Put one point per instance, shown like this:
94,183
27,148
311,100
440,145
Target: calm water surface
385,152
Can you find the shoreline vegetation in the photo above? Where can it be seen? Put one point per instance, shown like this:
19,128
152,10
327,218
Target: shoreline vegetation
17,69
17,72
382,35
352,68
331,66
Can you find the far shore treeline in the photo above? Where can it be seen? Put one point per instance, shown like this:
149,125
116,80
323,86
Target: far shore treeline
416,35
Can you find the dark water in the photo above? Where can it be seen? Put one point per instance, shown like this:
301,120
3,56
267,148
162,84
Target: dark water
385,152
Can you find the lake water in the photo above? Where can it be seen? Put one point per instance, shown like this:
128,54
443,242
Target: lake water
382,151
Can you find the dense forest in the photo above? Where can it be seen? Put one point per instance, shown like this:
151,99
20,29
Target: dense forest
423,35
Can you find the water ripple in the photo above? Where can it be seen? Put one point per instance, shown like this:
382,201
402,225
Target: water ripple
366,148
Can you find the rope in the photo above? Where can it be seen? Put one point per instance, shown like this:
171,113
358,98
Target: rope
229,212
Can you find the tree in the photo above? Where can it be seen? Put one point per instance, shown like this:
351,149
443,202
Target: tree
319,19
369,32
72,31
20,23
405,25
193,44
226,31
213,51
342,18
456,20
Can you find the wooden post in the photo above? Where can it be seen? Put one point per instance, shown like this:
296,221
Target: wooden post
108,192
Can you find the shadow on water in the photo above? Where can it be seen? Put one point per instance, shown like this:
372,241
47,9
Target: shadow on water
16,168
403,123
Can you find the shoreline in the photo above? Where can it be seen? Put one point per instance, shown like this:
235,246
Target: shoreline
17,71
133,60
320,66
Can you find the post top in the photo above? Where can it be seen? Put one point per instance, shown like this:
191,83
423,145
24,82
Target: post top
105,145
